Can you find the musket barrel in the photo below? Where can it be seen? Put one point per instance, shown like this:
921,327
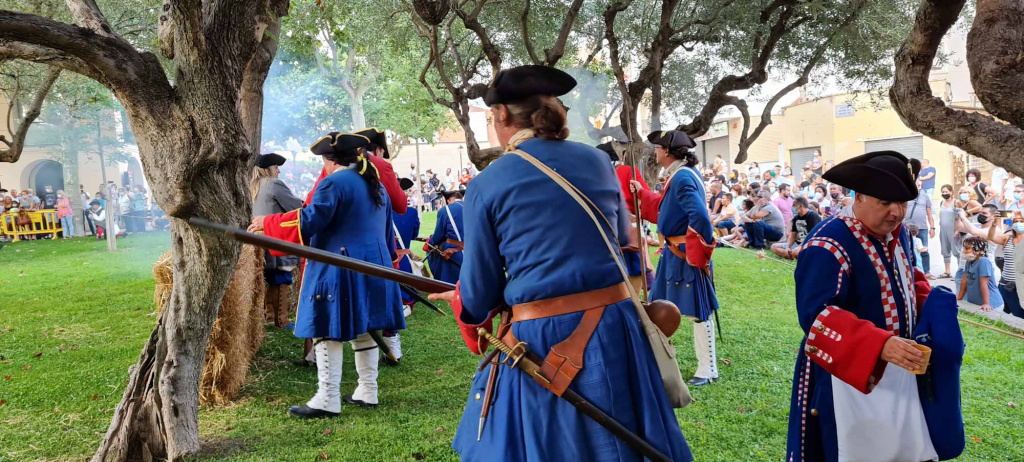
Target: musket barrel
418,282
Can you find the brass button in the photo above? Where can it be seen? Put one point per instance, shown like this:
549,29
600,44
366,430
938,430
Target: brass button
821,328
329,297
812,350
687,286
478,396
318,297
677,283
814,412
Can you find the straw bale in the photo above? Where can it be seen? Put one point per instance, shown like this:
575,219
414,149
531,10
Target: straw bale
238,331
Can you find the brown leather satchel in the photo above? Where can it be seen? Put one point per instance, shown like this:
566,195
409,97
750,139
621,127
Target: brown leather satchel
23,219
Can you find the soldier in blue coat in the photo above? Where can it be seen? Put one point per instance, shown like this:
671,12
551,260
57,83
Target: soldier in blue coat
446,244
531,247
858,298
407,227
350,215
684,275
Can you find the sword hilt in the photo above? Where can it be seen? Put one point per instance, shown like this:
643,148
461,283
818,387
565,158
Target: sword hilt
517,354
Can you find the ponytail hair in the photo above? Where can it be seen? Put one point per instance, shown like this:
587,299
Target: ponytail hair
545,115
684,154
364,167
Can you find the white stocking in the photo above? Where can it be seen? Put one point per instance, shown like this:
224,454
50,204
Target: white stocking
367,354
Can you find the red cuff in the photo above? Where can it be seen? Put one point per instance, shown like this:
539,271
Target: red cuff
698,251
283,226
468,331
847,347
650,203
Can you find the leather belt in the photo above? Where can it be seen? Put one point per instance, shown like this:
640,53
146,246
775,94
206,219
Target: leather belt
673,245
565,359
449,252
573,303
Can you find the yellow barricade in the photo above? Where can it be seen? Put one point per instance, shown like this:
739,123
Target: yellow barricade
43,222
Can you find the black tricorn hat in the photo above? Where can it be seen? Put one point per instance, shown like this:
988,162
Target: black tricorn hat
607,147
405,183
672,139
884,175
377,137
268,160
338,143
519,83
448,194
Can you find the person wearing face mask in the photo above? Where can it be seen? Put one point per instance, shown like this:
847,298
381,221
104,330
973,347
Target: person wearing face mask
977,285
858,300
949,239
967,201
984,192
1009,241
65,214
919,214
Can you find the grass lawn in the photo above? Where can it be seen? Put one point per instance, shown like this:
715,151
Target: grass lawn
74,317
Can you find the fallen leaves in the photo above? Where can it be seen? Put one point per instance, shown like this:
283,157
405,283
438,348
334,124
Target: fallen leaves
743,410
27,367
39,354
439,429
976,439
326,432
323,455
439,372
94,397
1011,404
727,362
3,401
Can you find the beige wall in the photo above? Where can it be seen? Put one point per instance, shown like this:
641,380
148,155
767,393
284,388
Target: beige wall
18,175
438,157
809,125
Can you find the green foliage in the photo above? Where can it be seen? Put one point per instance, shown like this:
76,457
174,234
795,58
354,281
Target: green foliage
89,311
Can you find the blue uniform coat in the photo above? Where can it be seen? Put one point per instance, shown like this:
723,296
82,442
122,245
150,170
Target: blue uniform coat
408,225
834,271
446,270
682,208
527,240
336,303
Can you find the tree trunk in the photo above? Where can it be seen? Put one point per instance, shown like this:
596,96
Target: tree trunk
358,114
656,104
158,415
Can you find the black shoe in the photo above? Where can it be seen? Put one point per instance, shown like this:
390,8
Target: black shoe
388,362
350,400
700,381
302,362
306,412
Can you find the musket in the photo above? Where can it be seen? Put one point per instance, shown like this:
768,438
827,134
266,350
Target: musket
430,286
419,298
519,357
641,240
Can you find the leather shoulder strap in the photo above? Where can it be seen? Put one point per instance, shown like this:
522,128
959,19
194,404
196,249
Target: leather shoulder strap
593,212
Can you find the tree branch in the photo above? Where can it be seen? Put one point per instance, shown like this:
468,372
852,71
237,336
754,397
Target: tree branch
553,54
112,62
88,15
524,20
995,56
17,144
912,98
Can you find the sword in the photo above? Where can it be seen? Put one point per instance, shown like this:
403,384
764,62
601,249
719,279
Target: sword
438,251
389,357
529,363
419,298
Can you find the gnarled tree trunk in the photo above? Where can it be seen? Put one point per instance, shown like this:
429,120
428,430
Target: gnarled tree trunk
197,141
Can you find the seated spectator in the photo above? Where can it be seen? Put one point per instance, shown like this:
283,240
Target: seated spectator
738,197
762,223
977,285
726,219
804,221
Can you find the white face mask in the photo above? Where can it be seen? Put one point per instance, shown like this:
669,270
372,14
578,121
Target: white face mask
970,257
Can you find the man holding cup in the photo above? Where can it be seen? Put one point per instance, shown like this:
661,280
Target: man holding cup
859,298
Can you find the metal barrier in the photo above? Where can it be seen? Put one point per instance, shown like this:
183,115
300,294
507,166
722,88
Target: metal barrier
43,222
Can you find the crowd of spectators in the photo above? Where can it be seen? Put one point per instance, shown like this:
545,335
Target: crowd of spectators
130,206
432,185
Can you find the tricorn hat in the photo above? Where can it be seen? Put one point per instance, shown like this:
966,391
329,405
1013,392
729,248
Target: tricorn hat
607,147
519,83
268,160
884,175
672,139
448,194
377,137
338,143
405,183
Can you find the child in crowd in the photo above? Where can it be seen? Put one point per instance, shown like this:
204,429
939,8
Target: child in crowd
977,285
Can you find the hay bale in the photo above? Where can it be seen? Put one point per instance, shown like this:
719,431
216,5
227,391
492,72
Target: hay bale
238,331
